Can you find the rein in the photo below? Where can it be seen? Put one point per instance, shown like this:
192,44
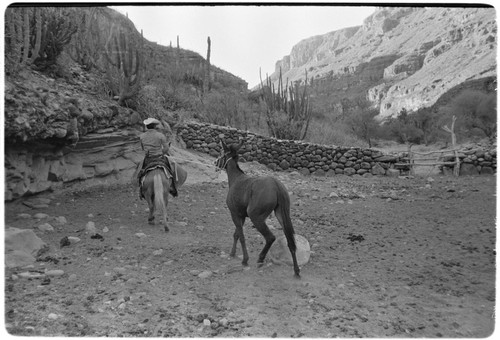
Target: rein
218,162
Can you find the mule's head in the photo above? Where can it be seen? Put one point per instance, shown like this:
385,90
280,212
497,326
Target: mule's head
228,152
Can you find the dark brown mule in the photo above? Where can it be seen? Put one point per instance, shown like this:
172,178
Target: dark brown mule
155,189
256,198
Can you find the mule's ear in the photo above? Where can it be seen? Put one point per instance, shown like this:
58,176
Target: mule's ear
224,145
240,144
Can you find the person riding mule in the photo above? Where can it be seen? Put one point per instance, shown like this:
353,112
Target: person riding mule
156,148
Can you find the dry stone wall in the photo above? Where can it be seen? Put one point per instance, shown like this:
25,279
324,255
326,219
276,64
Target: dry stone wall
474,161
319,160
307,158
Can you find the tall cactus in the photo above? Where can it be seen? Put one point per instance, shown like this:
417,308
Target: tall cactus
288,110
23,35
57,31
126,57
206,82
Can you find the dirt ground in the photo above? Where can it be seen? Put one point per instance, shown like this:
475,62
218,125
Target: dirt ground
391,257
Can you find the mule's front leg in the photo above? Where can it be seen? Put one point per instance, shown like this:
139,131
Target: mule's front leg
236,237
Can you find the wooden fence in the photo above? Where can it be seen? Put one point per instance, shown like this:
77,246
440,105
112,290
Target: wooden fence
434,161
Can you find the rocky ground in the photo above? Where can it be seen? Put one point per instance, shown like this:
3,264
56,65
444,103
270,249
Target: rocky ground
391,257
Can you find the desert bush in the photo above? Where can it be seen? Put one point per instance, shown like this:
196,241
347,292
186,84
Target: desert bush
332,132
361,121
228,107
476,111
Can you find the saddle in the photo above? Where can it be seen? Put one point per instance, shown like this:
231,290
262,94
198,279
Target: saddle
151,163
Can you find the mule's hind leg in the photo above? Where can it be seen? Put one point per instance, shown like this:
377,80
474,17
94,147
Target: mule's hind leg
149,198
262,227
238,235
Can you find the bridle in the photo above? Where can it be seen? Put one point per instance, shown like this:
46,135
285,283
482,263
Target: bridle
221,162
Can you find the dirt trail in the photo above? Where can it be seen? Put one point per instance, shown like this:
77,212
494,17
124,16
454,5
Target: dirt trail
390,258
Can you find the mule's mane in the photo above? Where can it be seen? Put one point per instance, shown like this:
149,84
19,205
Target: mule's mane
235,156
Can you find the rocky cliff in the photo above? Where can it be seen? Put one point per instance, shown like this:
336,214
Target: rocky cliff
401,57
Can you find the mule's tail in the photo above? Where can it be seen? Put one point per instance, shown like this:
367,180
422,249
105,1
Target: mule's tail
284,210
158,192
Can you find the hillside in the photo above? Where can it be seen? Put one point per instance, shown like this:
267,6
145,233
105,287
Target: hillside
401,57
38,99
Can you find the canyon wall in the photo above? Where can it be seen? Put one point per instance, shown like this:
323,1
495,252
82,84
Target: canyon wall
401,57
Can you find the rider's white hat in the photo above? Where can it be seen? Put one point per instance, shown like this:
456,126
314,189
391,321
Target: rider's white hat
151,121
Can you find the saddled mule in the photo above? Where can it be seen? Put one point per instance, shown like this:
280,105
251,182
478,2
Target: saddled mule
256,198
155,189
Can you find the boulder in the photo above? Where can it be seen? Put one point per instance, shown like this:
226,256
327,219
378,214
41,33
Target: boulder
377,169
22,246
468,169
280,254
392,172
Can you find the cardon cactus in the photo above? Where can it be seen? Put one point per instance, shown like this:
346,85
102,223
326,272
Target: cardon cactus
125,56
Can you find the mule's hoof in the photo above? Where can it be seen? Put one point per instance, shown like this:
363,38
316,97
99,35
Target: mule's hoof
260,264
151,221
166,229
297,276
244,263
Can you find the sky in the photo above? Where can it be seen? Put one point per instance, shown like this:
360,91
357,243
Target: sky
245,38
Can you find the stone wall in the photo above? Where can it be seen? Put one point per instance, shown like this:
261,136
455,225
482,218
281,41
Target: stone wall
320,160
474,161
307,158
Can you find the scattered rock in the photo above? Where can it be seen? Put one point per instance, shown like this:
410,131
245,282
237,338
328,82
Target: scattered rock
37,203
45,227
61,220
24,216
97,237
141,235
65,242
205,274
40,216
90,228
158,252
120,270
31,275
54,272
74,239
355,238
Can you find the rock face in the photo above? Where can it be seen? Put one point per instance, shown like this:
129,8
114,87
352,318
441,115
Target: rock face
100,158
401,57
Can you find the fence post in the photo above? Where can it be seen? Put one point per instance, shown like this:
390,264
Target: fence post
410,156
456,168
